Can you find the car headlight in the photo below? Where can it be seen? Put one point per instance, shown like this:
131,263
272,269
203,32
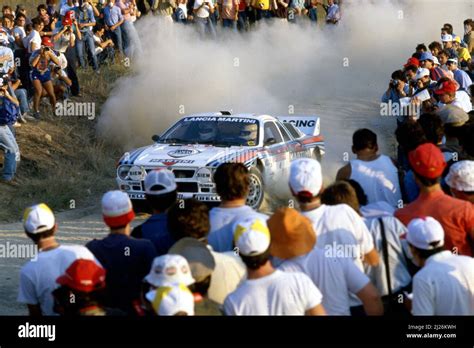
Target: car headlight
122,171
204,175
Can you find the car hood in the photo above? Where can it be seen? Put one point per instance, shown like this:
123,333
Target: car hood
183,155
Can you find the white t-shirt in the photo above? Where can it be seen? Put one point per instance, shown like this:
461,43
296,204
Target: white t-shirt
203,11
378,178
38,278
461,100
377,209
32,42
334,277
399,275
20,33
221,234
62,43
279,293
444,286
340,228
230,271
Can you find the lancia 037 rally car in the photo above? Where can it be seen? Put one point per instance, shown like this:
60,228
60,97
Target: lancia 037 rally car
197,144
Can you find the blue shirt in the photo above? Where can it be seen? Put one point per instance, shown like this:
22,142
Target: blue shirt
463,79
155,229
85,17
127,261
112,15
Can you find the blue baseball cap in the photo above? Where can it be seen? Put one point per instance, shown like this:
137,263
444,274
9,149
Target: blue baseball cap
426,56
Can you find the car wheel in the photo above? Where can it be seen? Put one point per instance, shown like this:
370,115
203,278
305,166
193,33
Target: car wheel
256,195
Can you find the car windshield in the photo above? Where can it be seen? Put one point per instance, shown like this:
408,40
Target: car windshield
217,131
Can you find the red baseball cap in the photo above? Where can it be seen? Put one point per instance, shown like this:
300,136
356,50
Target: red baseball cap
412,62
449,86
427,160
68,17
46,41
83,275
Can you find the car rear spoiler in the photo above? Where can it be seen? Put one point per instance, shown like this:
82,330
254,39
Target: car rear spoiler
309,125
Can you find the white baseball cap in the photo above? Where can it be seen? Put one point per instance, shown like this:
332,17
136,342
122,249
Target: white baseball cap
461,176
38,218
306,176
446,38
117,209
422,232
169,300
163,177
422,72
251,236
453,60
169,270
435,60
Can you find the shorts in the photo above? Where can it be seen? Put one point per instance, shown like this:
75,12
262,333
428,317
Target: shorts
41,77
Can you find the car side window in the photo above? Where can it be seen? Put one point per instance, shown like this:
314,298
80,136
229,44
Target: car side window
271,131
293,131
283,132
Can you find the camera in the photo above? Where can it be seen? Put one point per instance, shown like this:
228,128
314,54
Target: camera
394,83
4,80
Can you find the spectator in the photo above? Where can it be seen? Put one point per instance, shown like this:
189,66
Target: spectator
104,48
456,216
8,113
232,185
164,8
397,88
202,266
376,173
38,276
334,225
32,40
181,13
333,13
461,77
294,240
296,10
61,83
448,44
190,219
40,74
86,42
66,7
160,193
462,53
9,106
435,48
131,43
313,10
43,14
387,232
65,37
202,10
229,12
81,291
444,285
460,180
167,272
243,16
469,34
448,94
427,62
113,20
126,260
268,291
443,58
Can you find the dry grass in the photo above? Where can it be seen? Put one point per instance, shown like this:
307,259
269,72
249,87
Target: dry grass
63,163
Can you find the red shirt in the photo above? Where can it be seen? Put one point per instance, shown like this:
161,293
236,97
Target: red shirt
455,215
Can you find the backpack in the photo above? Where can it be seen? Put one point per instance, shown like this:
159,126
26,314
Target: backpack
8,111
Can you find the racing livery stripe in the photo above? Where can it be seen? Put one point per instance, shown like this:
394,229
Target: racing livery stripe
316,139
135,154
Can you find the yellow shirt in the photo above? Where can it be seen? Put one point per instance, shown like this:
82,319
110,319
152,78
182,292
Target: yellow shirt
262,4
463,54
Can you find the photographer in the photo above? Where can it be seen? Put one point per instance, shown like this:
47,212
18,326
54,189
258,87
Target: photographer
61,83
64,42
397,88
104,48
8,114
41,74
202,10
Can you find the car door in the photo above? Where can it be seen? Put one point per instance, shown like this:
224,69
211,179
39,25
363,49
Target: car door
276,159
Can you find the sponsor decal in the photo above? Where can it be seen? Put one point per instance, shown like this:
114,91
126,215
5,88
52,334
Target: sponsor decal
220,119
136,173
136,195
183,153
169,162
301,123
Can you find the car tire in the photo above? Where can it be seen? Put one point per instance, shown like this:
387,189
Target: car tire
256,197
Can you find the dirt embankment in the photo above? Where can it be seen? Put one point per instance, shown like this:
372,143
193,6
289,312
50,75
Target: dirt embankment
63,163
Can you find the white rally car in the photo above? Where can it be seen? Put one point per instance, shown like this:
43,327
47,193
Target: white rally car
197,144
